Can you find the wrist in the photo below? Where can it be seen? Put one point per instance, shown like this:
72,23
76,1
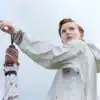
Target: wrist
18,37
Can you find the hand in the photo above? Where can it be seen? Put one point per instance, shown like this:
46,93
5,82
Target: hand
6,27
11,56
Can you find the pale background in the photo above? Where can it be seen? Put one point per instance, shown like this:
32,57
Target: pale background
39,19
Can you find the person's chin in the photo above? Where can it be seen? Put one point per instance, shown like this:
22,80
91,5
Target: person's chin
68,41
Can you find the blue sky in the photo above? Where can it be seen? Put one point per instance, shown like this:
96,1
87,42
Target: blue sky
39,19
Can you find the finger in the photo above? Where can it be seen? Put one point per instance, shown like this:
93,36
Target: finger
2,26
8,29
7,23
7,26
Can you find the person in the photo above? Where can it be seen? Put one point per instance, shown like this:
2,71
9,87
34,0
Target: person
11,67
76,61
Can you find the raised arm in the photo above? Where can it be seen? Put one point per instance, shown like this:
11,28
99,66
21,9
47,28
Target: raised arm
43,53
48,55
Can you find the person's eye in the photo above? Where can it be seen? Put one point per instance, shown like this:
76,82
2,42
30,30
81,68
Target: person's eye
63,31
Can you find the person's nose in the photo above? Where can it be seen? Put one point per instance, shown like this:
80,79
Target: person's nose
68,32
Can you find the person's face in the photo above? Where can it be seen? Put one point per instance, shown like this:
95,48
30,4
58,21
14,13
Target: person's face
69,31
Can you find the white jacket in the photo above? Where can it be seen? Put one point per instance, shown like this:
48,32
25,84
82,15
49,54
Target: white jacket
77,64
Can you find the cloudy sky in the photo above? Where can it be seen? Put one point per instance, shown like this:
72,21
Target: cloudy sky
39,19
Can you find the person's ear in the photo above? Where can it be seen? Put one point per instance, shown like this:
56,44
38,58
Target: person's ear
82,36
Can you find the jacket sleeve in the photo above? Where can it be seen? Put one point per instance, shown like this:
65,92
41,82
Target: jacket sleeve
48,55
96,53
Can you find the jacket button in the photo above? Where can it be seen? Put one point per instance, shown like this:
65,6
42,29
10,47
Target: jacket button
68,70
56,97
77,72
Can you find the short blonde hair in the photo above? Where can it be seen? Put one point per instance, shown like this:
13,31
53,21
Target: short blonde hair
66,20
